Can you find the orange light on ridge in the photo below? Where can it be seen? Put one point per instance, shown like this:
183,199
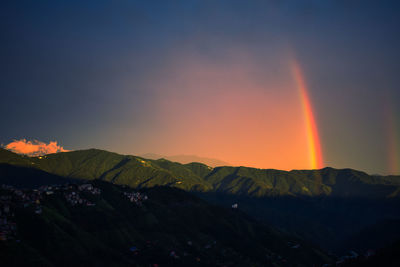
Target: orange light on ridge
314,145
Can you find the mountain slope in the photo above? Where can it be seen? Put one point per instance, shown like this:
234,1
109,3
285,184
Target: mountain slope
167,226
139,172
326,206
25,177
98,164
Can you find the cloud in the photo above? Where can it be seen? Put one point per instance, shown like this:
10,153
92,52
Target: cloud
34,148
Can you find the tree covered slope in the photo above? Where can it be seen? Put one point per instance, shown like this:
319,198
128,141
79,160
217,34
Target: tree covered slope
162,226
328,206
139,172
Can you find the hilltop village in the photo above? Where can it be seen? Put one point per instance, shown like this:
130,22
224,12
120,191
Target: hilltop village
35,202
75,195
85,196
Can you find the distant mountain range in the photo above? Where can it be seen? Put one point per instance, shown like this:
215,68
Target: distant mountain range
184,159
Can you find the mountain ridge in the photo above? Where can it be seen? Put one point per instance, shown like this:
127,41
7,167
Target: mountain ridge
185,159
140,172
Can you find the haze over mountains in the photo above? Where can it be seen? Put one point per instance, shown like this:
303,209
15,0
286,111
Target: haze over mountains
184,159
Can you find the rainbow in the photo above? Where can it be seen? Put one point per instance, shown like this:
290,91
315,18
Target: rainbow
392,143
314,145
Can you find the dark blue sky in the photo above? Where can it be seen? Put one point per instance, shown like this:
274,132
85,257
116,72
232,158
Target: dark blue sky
96,73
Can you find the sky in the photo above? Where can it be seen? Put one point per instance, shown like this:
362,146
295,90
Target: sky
268,84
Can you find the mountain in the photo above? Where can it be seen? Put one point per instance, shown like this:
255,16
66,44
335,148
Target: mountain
327,207
98,164
377,235
184,159
23,177
102,224
140,172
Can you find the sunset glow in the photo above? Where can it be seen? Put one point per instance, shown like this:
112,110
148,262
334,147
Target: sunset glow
233,110
264,84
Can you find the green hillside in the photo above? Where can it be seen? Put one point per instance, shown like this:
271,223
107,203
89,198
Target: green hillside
167,226
139,172
327,207
98,164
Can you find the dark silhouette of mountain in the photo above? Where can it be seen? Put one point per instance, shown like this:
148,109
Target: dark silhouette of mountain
335,223
377,235
185,159
387,256
25,177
